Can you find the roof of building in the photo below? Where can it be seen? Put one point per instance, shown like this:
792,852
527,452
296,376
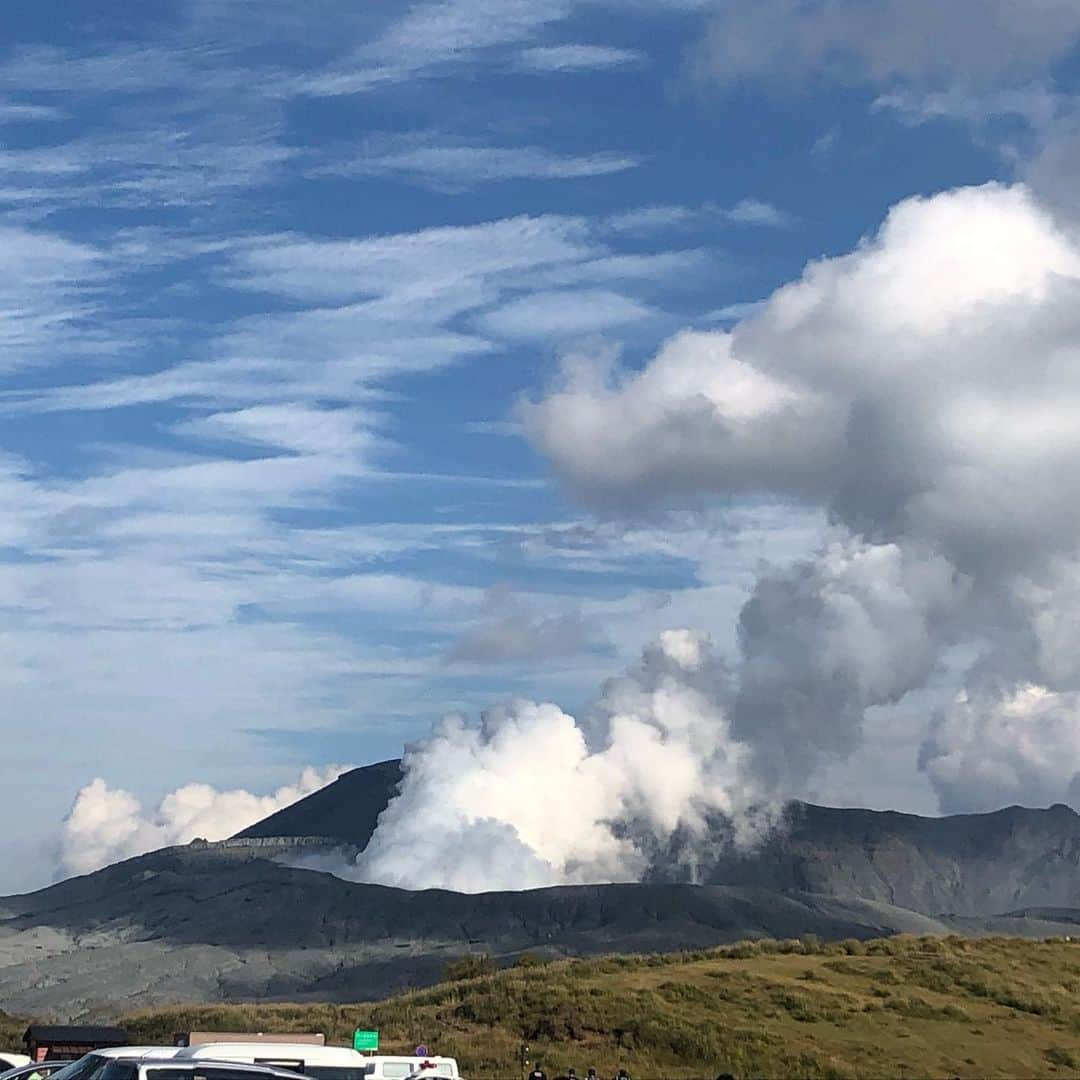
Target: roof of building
75,1033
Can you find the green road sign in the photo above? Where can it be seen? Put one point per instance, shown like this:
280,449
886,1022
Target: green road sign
365,1040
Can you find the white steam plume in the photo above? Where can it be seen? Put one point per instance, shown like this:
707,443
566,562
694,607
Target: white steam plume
107,824
531,797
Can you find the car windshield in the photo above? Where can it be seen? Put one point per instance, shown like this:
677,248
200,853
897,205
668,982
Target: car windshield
98,1067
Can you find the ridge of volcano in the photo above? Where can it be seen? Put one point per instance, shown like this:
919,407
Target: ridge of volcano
231,921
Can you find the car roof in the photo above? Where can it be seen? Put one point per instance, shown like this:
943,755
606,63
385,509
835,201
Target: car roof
193,1064
127,1052
309,1052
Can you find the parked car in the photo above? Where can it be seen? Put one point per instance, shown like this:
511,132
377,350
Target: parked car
326,1062
161,1064
37,1070
320,1062
412,1068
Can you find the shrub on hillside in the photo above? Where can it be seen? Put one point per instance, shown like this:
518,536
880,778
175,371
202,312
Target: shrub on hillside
468,967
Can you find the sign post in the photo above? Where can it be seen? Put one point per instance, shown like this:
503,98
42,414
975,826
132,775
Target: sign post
365,1040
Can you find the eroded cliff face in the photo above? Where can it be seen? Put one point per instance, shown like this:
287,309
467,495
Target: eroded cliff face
972,865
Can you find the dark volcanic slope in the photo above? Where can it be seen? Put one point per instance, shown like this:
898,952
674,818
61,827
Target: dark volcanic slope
192,924
970,864
973,865
345,810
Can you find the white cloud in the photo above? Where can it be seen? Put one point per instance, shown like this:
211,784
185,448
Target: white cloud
548,58
16,112
749,212
106,824
299,428
416,266
1017,744
365,310
49,299
562,315
1036,103
658,430
754,212
457,166
646,219
436,35
162,123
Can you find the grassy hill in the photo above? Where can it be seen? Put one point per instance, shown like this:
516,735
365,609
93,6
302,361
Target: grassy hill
899,1007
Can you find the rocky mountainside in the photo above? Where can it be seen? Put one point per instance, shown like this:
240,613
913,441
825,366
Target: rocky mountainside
345,810
231,921
975,865
971,864
203,923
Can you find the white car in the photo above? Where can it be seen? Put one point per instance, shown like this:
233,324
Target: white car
412,1068
159,1063
326,1062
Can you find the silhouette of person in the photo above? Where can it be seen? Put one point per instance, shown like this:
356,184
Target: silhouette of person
538,1074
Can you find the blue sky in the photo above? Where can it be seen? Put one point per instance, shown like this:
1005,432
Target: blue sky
274,279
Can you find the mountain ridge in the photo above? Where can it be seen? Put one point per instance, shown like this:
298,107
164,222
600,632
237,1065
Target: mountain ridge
231,921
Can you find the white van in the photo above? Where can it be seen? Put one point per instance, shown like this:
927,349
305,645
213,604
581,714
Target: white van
321,1062
326,1062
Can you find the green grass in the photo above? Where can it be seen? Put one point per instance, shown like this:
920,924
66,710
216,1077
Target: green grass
899,1007
12,1029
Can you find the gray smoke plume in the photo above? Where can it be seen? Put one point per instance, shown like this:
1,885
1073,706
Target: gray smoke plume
924,391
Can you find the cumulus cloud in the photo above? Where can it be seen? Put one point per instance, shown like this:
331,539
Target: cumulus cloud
992,749
532,797
107,824
923,391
